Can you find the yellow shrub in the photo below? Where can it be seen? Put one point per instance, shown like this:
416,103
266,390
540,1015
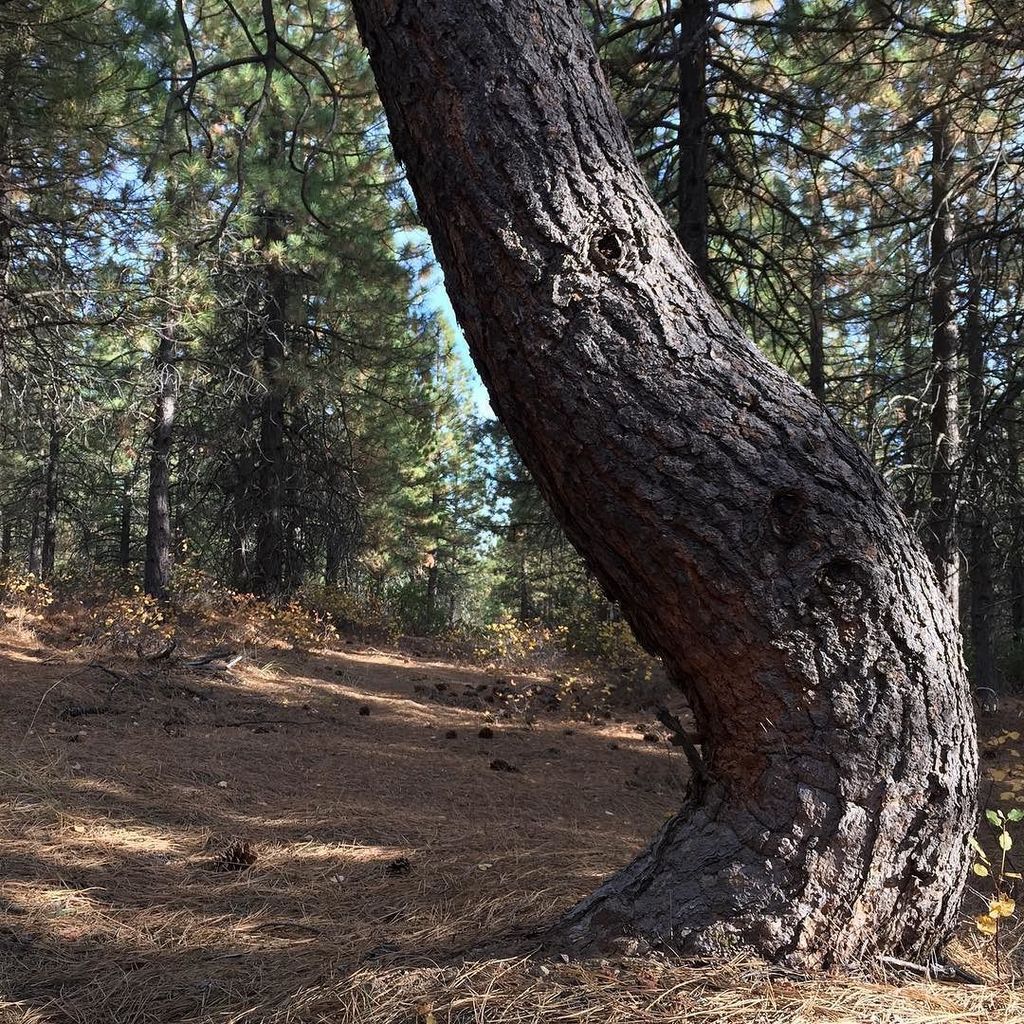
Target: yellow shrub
22,588
126,621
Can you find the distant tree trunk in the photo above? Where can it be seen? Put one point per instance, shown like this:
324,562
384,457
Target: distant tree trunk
159,561
87,538
1015,570
333,559
35,539
816,341
240,539
268,569
51,481
8,541
871,390
7,189
980,590
271,471
1016,583
124,549
430,619
692,185
911,431
747,539
432,582
524,589
941,538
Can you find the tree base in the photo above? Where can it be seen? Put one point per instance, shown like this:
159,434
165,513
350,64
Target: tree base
713,880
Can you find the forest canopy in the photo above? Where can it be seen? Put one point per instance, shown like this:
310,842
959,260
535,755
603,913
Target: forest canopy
222,360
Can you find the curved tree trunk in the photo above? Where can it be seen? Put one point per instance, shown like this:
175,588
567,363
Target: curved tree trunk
748,539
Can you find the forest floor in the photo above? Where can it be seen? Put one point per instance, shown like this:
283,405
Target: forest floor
314,837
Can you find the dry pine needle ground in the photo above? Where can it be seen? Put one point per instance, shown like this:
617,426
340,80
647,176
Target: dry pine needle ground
322,839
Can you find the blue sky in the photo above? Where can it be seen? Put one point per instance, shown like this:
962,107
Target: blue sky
435,300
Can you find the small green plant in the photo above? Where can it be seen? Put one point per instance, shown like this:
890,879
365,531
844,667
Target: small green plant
1001,904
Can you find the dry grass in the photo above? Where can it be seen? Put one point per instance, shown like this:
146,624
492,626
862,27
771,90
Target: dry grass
128,789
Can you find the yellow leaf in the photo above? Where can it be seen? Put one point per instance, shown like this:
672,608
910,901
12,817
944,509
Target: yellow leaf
1001,906
998,774
980,870
986,925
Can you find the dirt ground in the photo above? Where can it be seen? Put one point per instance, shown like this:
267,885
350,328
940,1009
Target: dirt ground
321,836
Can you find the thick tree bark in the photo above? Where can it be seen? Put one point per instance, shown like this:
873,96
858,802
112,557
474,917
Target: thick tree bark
748,540
158,568
692,156
50,494
941,534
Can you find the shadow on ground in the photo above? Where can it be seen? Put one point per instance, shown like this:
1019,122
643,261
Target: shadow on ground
384,827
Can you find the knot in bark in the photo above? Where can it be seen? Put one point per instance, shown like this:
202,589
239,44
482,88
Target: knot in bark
788,507
611,249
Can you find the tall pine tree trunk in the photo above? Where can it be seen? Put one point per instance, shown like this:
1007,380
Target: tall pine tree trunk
1015,569
747,539
50,494
692,156
240,538
816,340
8,186
271,472
35,537
941,535
124,543
332,560
980,591
158,567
